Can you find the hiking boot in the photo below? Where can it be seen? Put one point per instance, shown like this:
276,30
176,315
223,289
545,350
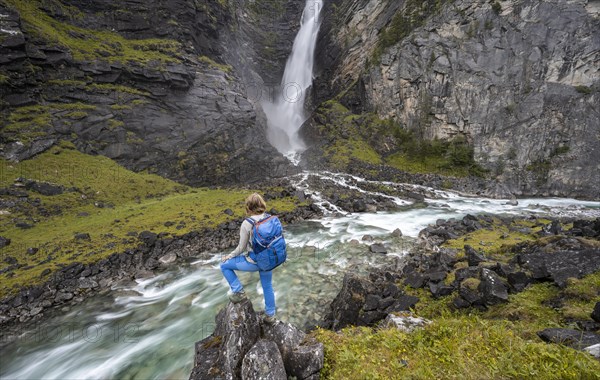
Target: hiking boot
237,297
269,319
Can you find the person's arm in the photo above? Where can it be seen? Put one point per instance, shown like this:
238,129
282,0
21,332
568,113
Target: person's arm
245,230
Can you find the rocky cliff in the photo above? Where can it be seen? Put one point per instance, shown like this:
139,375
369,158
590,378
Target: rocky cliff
517,80
171,88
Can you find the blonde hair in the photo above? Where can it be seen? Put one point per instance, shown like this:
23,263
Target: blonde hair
255,204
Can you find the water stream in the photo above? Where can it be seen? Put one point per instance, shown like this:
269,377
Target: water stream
147,329
285,114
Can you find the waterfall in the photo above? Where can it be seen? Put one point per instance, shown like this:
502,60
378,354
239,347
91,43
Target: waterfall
285,114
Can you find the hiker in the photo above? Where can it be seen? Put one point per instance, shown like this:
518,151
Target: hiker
261,248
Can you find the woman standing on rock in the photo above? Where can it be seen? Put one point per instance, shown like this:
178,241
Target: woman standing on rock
270,246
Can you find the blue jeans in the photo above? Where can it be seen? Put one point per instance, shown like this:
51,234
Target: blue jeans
240,263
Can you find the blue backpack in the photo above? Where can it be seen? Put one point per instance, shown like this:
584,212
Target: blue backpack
268,244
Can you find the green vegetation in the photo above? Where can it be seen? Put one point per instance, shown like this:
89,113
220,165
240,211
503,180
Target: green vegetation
413,15
87,44
4,78
583,90
29,122
207,60
496,7
107,201
109,87
563,149
368,139
468,344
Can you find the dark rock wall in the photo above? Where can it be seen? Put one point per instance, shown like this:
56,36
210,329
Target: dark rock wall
518,79
193,116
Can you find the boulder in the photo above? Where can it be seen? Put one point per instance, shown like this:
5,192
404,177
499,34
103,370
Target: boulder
405,322
244,347
593,350
378,248
572,338
560,265
596,313
263,361
221,354
473,257
492,288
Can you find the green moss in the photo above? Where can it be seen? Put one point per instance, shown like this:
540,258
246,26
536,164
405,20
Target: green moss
67,82
470,283
87,44
120,107
583,90
4,79
496,7
109,87
76,115
206,60
139,102
132,202
340,153
410,17
465,347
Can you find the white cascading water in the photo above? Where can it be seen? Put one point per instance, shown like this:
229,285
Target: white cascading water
285,114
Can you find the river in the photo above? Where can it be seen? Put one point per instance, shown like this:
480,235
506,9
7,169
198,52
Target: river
146,329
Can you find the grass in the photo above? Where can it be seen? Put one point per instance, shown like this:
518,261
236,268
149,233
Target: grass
132,202
497,237
500,343
86,44
369,139
30,122
208,61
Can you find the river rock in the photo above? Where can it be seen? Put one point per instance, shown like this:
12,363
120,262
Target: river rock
378,248
263,361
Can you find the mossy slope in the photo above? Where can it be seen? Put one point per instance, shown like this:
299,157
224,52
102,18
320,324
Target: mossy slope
108,202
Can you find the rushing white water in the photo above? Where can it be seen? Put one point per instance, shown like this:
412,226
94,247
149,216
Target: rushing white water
285,114
147,329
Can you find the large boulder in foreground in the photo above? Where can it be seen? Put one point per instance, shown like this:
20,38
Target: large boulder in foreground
244,347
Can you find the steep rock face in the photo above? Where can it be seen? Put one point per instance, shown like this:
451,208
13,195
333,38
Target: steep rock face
95,73
518,79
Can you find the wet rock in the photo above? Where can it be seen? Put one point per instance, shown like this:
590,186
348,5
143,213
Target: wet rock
572,338
63,296
378,248
367,238
263,361
359,206
397,232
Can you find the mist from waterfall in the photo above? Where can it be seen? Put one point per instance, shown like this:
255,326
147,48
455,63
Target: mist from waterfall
285,114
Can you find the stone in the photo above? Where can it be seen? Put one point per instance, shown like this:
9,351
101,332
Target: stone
378,248
149,238
593,350
359,206
63,296
403,303
561,265
83,236
397,232
302,358
263,361
169,258
518,280
4,242
473,257
415,280
367,238
221,354
492,287
405,322
228,212
596,313
569,337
